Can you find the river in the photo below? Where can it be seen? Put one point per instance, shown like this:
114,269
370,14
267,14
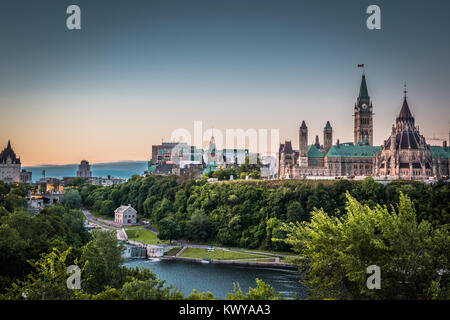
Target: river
217,278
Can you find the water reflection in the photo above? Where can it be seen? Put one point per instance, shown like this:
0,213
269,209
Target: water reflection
217,278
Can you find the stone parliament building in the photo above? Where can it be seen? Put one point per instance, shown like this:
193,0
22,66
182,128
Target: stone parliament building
10,167
404,155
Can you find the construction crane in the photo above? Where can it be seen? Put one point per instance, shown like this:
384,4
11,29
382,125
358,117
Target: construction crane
434,138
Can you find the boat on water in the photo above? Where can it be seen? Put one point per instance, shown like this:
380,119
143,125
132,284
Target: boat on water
206,260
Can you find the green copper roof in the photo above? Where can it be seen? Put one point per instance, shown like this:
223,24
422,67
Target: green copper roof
438,150
313,152
363,93
328,126
211,167
347,151
151,166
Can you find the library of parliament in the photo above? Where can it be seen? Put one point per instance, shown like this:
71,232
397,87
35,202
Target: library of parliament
403,155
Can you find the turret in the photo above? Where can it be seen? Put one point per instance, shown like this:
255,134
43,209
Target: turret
393,138
317,143
327,137
303,140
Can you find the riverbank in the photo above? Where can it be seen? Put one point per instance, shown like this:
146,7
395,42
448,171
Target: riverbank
219,255
242,262
218,278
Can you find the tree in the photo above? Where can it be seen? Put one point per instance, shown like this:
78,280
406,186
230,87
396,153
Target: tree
335,253
372,191
77,182
295,212
72,198
12,254
224,174
12,201
163,210
195,295
150,289
169,229
247,167
262,291
107,208
256,174
48,281
199,227
102,258
275,234
250,205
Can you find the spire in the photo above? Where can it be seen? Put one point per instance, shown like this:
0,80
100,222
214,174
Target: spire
317,144
328,126
212,146
303,126
9,152
405,113
363,93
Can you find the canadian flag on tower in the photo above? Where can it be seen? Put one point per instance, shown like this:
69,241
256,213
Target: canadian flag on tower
361,65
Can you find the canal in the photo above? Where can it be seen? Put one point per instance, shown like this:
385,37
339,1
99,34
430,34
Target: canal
217,278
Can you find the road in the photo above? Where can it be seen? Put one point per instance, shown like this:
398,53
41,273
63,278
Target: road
97,221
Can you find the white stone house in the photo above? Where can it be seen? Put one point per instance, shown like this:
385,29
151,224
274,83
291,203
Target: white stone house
125,215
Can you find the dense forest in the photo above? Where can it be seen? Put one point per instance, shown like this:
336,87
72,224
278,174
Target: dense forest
250,213
337,227
35,252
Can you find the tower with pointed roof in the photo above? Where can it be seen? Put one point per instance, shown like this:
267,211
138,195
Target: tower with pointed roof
363,116
406,154
303,145
9,165
327,137
211,156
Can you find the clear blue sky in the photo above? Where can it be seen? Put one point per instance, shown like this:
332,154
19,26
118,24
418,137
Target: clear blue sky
140,69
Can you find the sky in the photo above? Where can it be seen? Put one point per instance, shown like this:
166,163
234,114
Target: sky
138,70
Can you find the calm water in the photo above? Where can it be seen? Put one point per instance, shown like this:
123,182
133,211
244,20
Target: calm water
186,276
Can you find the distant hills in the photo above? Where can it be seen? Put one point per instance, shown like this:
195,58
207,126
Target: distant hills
121,169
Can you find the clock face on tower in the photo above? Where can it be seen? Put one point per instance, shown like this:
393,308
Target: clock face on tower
364,107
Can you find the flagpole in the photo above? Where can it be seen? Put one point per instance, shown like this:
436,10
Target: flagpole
362,65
